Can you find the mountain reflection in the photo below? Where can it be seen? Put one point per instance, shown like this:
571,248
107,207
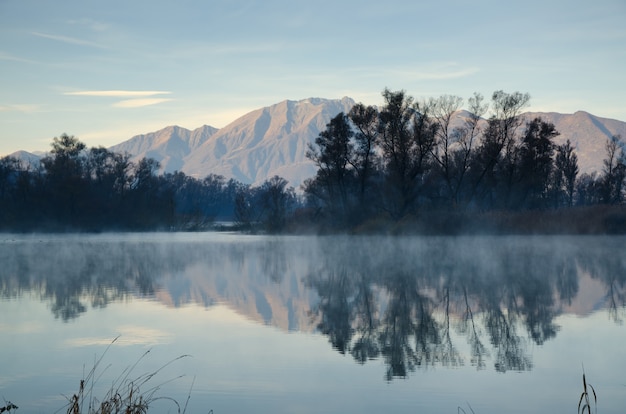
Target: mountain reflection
412,302
74,273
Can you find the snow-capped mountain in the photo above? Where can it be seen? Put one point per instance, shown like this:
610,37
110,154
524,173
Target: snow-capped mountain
273,141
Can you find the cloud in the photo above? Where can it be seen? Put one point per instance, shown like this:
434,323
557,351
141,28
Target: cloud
6,56
26,108
117,93
137,98
94,25
67,39
137,103
443,73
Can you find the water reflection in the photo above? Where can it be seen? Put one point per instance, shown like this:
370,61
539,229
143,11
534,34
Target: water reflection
412,302
74,273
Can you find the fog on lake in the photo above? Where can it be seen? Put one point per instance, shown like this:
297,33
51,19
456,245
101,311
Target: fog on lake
345,324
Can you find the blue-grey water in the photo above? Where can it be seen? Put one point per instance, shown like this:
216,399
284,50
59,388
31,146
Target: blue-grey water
284,324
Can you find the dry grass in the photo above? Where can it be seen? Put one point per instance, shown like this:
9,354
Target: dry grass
584,403
8,406
128,394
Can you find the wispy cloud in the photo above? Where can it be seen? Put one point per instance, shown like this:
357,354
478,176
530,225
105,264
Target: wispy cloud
26,108
94,25
443,73
69,40
117,93
137,103
137,98
6,56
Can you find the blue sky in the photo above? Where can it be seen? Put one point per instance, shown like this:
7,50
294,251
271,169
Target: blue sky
105,71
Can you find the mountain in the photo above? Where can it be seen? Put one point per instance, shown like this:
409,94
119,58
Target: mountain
587,133
266,142
273,141
28,159
170,146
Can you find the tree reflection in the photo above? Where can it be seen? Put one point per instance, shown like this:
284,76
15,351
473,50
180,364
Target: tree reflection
468,326
412,301
74,275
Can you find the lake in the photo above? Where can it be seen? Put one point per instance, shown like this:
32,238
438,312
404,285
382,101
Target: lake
303,324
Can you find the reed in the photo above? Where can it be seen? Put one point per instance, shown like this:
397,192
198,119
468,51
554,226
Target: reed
584,403
128,394
8,406
461,410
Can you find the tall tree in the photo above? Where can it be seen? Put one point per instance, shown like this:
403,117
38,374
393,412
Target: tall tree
462,155
365,120
566,172
333,155
407,136
498,137
614,171
277,200
65,177
447,136
535,162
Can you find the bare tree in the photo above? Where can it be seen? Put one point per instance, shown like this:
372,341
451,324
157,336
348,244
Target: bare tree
614,171
566,172
499,136
365,120
407,136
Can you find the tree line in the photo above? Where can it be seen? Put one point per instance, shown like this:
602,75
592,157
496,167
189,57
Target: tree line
408,161
75,188
413,158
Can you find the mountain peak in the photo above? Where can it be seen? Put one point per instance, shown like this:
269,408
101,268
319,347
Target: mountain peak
273,140
267,142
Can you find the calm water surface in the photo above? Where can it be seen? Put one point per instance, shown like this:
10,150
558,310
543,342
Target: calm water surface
316,324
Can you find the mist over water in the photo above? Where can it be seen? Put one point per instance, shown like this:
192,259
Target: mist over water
272,319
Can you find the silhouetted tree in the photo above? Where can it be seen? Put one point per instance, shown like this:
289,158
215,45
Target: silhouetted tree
333,155
443,110
614,171
535,163
497,144
407,136
277,202
364,160
10,171
245,214
65,180
565,174
589,189
463,152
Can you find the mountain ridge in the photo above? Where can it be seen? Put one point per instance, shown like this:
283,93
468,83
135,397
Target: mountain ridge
273,140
